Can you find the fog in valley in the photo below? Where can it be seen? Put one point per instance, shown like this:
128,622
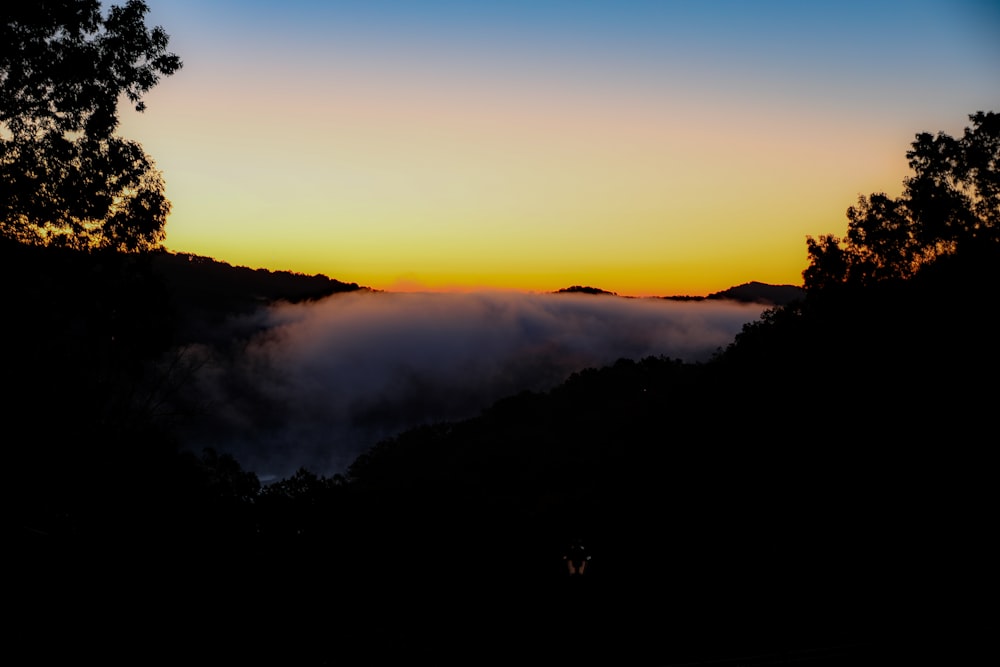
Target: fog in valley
315,384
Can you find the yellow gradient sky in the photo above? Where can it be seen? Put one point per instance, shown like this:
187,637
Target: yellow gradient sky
648,148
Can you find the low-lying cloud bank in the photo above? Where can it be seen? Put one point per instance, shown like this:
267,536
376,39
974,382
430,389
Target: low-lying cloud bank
321,382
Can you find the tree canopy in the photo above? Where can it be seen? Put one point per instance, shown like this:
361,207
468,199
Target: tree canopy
67,178
950,205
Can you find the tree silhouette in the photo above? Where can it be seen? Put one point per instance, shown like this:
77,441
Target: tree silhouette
950,205
67,178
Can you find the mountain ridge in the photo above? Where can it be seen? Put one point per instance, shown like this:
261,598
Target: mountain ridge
749,292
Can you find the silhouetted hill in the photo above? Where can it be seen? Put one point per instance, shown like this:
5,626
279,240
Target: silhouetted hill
207,291
755,292
751,292
581,289
89,357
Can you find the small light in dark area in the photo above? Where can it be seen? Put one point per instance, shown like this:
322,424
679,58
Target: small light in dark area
577,558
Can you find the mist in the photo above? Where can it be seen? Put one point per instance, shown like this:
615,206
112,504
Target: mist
316,384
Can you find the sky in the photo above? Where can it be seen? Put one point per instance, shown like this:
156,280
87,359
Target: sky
643,147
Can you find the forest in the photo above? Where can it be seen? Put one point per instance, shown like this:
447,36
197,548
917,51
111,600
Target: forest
816,493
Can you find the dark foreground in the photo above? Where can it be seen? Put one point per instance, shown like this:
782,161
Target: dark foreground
469,601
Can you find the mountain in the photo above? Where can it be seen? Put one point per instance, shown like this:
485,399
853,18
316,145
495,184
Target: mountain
204,291
751,292
755,292
582,289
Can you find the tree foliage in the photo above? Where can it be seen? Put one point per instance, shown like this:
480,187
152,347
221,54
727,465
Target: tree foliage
67,178
950,204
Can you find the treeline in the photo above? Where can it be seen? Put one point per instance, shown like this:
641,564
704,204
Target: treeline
205,292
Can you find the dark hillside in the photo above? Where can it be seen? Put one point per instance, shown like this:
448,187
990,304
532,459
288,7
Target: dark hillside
584,289
751,292
755,292
777,501
205,291
112,523
81,337
789,491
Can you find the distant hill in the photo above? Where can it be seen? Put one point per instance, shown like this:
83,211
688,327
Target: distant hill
581,289
206,291
751,292
755,292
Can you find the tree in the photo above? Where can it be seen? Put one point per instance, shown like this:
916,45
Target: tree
950,205
67,178
954,194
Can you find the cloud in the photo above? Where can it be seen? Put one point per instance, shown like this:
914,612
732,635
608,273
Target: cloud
321,382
